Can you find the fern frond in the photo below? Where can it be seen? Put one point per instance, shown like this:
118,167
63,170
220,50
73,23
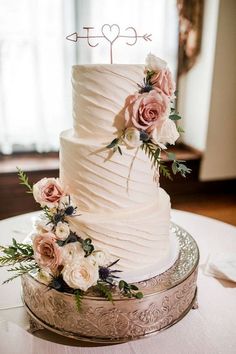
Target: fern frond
20,270
24,180
16,253
105,291
153,152
165,171
78,299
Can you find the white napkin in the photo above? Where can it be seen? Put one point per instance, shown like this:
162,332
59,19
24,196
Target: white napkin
222,266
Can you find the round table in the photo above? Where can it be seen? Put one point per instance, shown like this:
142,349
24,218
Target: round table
208,330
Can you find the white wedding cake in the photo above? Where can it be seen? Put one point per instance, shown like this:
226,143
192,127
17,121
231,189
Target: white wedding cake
123,209
103,236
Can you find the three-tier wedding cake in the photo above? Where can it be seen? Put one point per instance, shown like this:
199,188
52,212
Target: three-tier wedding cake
103,262
124,211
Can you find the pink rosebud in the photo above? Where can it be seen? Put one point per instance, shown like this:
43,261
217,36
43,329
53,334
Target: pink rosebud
147,111
48,192
163,80
47,253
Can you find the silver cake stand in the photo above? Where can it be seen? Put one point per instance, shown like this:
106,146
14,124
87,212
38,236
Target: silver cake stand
167,299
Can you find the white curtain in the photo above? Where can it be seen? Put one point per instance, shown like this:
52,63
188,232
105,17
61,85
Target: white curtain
35,59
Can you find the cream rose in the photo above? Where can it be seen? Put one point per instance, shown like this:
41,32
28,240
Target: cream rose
72,252
46,251
164,81
166,134
80,275
48,192
42,225
154,63
102,258
62,231
132,138
147,111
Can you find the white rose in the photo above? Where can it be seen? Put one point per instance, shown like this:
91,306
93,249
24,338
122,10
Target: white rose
41,224
102,258
165,134
154,63
80,275
132,138
62,231
72,252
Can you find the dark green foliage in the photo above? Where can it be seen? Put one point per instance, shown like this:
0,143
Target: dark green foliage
130,290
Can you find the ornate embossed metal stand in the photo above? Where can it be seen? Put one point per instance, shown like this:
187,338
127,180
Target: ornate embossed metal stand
167,299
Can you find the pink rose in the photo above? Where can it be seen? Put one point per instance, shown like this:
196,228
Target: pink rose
48,192
46,251
147,111
163,80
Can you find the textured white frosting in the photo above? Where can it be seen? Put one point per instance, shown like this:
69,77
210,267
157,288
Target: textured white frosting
123,210
100,182
99,95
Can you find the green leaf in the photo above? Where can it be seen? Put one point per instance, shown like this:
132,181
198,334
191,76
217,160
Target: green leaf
178,167
174,117
139,295
150,73
174,168
78,299
119,149
121,284
180,129
113,143
171,156
87,246
133,287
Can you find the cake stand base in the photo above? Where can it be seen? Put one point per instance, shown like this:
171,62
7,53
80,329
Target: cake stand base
167,299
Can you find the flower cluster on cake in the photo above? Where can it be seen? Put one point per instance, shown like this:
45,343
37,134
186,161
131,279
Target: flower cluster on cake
105,217
149,117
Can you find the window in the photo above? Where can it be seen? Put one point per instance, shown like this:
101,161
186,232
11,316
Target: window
35,59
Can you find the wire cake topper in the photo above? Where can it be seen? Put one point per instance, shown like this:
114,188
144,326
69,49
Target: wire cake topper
110,33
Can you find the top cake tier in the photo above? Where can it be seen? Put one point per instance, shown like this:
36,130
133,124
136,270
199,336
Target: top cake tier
99,95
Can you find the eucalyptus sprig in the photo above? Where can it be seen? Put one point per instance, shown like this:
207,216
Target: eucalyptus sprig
24,180
178,166
130,290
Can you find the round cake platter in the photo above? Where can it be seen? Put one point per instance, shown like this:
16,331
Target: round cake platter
168,297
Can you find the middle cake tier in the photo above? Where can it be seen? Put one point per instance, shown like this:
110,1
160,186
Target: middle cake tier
122,209
102,182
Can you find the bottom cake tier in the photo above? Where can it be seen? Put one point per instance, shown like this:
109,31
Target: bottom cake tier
167,298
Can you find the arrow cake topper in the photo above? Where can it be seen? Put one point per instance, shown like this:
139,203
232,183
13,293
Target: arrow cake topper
110,33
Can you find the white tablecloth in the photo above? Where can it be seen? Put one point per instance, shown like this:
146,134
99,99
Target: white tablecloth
209,330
